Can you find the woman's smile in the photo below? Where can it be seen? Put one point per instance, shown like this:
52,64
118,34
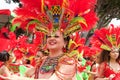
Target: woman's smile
52,42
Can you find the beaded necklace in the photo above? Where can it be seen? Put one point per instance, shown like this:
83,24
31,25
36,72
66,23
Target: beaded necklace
50,64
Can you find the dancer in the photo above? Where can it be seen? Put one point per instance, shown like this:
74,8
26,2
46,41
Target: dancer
4,64
32,72
108,41
94,67
57,20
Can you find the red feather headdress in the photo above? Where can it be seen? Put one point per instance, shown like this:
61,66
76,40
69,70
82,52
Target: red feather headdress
106,38
47,16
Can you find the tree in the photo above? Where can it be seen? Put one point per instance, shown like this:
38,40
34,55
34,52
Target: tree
106,11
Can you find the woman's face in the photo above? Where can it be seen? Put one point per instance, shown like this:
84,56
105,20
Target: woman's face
38,56
98,58
55,42
114,54
11,58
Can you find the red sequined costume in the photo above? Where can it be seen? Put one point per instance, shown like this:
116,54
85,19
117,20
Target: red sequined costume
106,71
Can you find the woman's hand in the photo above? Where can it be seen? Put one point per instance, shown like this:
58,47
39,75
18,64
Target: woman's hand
66,68
102,79
111,76
6,78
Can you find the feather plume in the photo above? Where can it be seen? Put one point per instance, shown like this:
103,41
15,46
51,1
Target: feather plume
106,38
66,10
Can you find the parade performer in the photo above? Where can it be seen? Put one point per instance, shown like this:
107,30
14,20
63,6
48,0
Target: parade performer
58,20
5,60
107,39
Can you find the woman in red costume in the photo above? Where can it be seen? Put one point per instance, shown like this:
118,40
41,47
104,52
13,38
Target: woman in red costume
94,67
107,39
58,20
109,68
49,66
4,64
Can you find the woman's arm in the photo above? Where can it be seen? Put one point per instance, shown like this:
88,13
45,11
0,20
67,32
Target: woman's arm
90,72
13,77
102,79
6,71
100,73
101,70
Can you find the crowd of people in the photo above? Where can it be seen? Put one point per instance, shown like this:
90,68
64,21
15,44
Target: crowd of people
56,51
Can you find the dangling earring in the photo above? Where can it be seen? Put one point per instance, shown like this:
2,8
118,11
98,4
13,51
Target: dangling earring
64,49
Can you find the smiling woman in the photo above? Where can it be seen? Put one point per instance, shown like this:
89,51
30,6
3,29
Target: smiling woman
109,60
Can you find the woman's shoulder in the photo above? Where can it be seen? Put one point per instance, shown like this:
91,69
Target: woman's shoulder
44,57
43,60
103,63
30,69
1,64
30,72
3,67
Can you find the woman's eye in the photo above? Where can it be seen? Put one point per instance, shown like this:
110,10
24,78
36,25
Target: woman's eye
56,36
115,52
48,36
37,56
52,36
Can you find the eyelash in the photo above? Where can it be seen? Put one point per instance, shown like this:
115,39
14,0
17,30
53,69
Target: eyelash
52,36
115,52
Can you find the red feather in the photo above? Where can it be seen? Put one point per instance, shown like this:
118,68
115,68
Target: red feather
80,6
5,44
5,12
91,21
33,10
101,37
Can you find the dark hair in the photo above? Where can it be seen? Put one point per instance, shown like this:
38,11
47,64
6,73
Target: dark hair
45,53
4,56
105,56
27,61
67,39
118,59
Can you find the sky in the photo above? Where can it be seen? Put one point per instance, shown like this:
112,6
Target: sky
12,6
4,5
115,22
